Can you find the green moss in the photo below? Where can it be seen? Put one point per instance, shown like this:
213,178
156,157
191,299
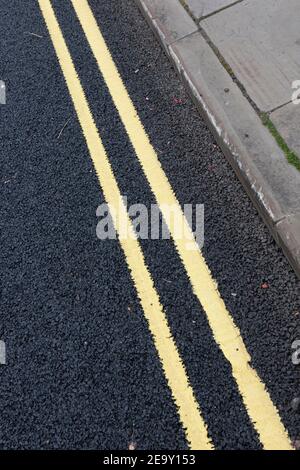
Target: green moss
291,156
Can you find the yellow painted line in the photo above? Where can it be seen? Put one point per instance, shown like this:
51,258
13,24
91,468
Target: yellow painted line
258,403
195,428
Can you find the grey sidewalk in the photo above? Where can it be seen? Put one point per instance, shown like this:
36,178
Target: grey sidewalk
241,62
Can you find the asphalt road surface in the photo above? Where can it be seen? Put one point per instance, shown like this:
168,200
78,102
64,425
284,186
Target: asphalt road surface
126,343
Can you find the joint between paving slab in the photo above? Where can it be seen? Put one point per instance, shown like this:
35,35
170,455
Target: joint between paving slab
276,222
291,156
188,10
226,7
279,107
180,39
198,19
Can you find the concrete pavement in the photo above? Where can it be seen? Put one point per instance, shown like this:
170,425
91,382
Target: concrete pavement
240,62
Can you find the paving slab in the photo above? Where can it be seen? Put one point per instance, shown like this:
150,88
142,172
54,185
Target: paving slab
201,8
254,152
287,122
260,40
170,19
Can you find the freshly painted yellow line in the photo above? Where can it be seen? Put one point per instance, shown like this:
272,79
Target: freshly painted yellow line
174,370
260,408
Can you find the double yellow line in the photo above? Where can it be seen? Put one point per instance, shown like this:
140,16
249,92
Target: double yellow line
260,408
